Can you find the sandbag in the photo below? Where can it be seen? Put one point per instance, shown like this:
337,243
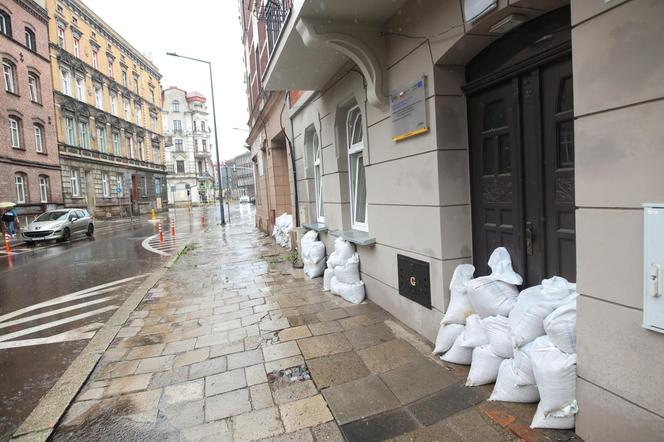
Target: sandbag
498,331
334,286
283,225
353,293
500,263
315,252
307,239
555,374
332,260
507,390
532,306
474,334
314,269
490,297
327,278
458,354
522,367
349,273
484,367
560,326
344,249
447,334
459,307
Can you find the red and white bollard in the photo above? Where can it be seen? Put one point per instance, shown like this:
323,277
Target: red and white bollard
8,248
161,232
173,229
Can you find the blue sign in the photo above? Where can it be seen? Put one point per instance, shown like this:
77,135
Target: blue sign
118,189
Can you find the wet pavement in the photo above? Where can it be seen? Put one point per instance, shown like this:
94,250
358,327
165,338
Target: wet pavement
54,297
233,343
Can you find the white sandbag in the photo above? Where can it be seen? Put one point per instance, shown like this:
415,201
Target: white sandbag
560,326
459,307
349,273
533,305
507,390
474,334
555,374
498,331
351,292
500,263
484,367
315,252
327,278
332,260
522,367
490,297
447,334
344,249
458,354
307,239
314,269
334,286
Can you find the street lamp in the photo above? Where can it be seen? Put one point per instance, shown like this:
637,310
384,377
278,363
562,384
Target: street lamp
216,133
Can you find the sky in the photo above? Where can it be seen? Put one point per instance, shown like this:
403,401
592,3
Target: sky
205,29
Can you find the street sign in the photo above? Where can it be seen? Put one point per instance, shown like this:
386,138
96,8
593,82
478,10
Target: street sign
118,189
408,109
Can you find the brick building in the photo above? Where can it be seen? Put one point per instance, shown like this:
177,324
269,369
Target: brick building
29,165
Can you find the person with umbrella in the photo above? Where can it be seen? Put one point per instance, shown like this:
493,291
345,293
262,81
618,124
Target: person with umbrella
9,217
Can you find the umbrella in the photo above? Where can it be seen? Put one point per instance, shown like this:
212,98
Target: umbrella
6,205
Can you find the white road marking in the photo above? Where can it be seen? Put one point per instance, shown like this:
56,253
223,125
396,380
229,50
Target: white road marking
56,312
77,334
52,324
92,291
162,247
146,245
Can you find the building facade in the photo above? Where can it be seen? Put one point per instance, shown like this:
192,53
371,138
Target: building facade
238,176
270,145
29,166
108,115
189,151
437,130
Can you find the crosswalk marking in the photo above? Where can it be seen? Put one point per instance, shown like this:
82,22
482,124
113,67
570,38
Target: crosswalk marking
55,312
163,247
77,334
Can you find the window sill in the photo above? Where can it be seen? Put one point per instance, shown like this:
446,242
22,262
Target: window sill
318,227
355,236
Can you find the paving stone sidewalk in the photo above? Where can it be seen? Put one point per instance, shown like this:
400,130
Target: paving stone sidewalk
235,344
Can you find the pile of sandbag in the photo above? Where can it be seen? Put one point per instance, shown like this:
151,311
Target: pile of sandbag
282,229
525,343
313,254
342,276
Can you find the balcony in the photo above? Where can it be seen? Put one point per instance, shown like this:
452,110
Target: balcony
327,38
200,153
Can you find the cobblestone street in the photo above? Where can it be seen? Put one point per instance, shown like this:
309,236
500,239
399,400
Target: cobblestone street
235,344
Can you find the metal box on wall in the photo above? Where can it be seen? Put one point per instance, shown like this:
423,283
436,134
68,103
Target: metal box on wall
414,280
653,267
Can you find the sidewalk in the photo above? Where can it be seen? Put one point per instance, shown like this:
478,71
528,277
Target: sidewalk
235,344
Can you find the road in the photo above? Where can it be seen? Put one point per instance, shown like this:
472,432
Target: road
54,297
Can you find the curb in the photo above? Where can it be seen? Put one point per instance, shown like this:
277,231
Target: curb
41,422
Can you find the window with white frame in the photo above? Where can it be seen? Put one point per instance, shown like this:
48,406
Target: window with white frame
179,166
95,59
356,173
127,110
75,183
137,110
175,106
66,81
179,146
318,176
177,125
141,149
80,88
77,47
99,97
5,23
101,139
15,132
39,138
19,181
110,68
30,39
33,88
70,131
85,134
105,185
117,150
130,147
9,73
157,187
61,36
43,189
114,104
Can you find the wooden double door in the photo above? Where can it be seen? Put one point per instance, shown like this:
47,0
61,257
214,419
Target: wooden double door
522,171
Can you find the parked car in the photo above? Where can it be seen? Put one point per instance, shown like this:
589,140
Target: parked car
244,199
59,225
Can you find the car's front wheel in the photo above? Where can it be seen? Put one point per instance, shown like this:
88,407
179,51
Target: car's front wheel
91,230
66,234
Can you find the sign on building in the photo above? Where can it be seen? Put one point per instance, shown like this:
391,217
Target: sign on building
408,111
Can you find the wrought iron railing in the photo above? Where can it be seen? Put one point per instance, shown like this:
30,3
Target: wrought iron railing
274,13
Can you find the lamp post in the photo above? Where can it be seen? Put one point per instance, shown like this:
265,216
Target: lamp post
216,133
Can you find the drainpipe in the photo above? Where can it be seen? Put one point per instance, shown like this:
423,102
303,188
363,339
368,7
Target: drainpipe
292,155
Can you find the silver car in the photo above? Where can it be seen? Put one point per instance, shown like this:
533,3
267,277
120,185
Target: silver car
59,225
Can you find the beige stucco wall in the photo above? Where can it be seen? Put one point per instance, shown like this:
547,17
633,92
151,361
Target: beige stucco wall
618,62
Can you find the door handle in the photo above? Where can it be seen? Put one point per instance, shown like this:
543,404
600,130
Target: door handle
530,229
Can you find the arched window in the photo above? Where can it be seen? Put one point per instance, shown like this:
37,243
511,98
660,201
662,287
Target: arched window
358,186
175,106
20,181
9,74
318,176
30,39
43,189
34,87
5,23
